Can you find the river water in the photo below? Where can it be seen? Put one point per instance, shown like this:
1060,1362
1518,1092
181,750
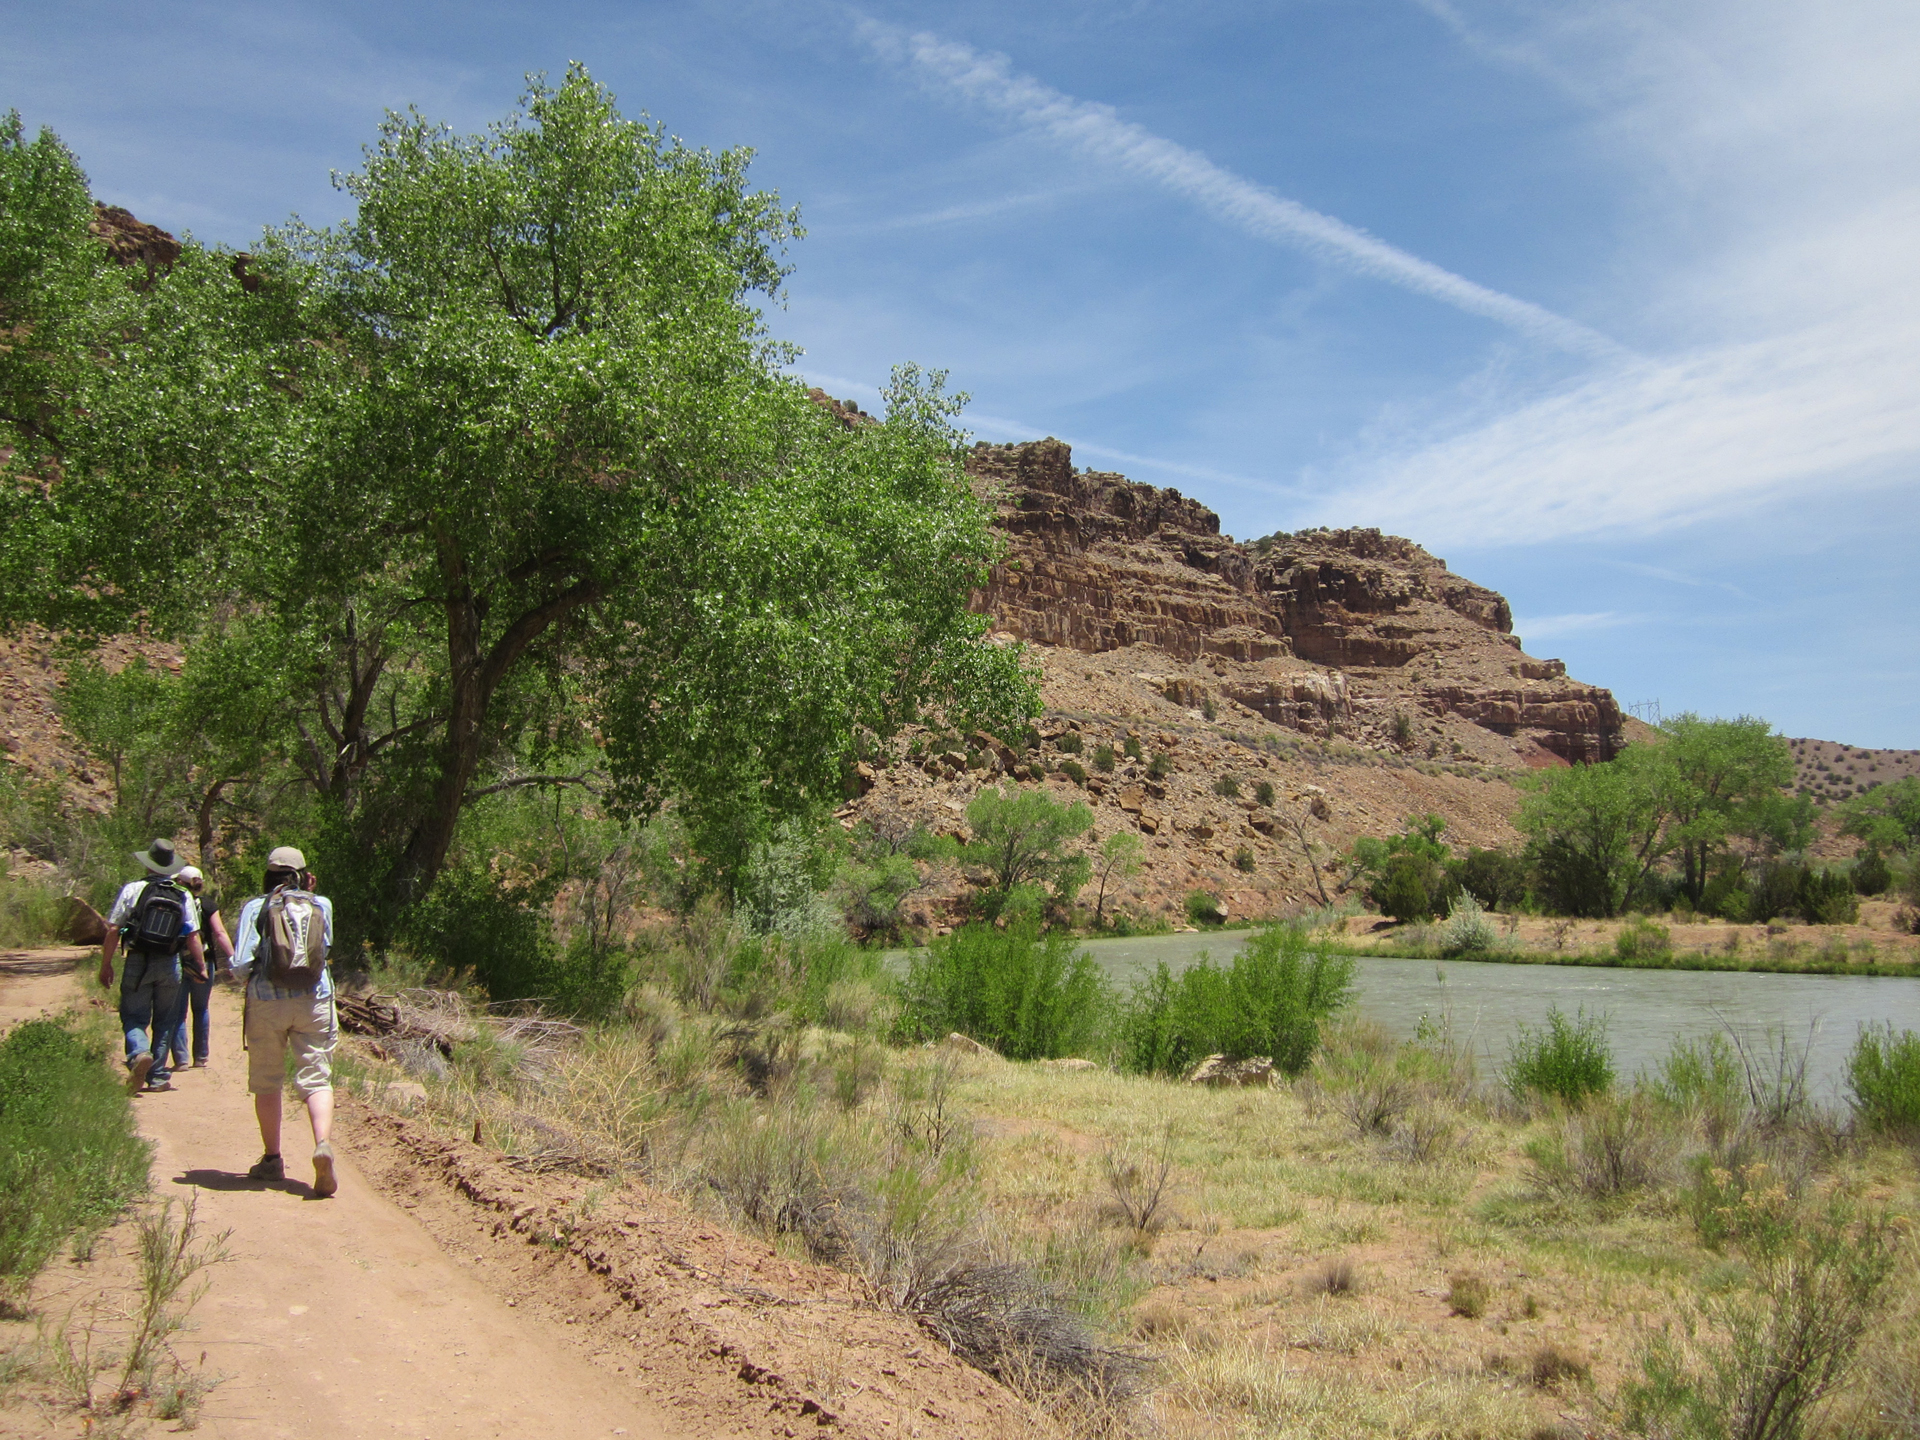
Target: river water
1645,1010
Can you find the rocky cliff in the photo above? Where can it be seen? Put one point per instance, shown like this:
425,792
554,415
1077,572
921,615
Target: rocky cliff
1332,632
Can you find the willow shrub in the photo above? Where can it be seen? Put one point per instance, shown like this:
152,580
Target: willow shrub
1271,1001
1026,995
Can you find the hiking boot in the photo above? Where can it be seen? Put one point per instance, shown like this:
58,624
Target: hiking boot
158,1087
269,1167
324,1183
137,1072
200,1064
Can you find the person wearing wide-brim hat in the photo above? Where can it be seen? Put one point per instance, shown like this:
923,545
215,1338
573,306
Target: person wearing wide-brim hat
150,977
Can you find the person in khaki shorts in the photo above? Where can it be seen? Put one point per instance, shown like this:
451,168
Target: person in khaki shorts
277,1019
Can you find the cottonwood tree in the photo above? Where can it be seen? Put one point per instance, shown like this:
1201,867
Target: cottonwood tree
1021,836
510,466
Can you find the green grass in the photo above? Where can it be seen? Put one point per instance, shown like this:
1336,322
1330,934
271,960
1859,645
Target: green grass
70,1160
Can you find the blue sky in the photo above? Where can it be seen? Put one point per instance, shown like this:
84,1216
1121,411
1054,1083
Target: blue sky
1614,305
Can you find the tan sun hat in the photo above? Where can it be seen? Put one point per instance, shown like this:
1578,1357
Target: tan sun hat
286,858
190,875
160,859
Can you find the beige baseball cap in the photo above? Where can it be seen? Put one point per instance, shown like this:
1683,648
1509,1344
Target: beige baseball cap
286,857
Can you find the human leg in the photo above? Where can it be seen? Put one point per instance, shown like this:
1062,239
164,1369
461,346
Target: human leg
267,1032
175,1045
315,1032
136,1015
200,998
165,983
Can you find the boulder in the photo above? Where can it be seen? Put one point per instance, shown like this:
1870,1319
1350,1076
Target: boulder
1071,1063
1220,1072
966,1045
82,925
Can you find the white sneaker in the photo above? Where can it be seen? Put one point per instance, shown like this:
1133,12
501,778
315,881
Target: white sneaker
324,1183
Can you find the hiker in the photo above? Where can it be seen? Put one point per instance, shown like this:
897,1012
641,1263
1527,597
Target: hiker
280,955
197,995
154,922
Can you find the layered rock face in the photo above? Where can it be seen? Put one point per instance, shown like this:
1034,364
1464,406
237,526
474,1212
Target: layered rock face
1331,632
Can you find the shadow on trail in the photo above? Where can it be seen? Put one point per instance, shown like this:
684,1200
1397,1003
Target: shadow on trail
228,1182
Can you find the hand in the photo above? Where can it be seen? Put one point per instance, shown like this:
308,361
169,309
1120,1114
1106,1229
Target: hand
106,975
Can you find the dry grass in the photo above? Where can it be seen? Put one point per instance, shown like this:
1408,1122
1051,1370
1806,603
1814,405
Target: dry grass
1513,1257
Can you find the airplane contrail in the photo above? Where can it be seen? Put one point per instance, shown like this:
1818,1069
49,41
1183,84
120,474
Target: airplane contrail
1097,130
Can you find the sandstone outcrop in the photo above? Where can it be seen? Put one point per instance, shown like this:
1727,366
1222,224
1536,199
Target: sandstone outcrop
1328,632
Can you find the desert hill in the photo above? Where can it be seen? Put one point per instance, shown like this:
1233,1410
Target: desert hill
1350,670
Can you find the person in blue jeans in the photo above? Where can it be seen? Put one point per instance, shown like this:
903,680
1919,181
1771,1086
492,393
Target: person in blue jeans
149,978
196,995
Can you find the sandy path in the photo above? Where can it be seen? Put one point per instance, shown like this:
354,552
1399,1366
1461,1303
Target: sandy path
342,1317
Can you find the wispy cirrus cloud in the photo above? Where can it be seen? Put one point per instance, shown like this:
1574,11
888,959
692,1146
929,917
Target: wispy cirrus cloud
1533,628
1098,131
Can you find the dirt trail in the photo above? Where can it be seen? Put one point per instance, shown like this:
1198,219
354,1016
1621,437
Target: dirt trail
339,1317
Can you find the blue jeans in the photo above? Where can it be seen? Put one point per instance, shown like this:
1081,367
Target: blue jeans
195,997
150,999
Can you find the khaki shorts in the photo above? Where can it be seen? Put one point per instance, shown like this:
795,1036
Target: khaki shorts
308,1025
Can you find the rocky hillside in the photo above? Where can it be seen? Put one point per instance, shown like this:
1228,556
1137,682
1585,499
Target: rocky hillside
1349,670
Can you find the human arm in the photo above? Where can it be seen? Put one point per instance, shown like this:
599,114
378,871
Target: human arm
222,943
198,954
109,943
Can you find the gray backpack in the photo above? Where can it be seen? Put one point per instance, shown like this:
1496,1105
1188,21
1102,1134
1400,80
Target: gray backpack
293,939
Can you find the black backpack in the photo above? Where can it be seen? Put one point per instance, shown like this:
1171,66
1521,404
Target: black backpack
158,925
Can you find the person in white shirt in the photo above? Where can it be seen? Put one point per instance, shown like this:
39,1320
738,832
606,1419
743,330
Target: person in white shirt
279,1017
150,974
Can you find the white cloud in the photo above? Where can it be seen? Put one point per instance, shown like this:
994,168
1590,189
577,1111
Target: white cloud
1776,202
1098,131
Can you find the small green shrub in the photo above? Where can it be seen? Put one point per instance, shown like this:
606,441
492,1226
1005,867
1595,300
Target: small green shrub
1827,897
1103,758
1263,792
1705,1078
1132,748
1567,1059
1208,710
1467,931
1070,743
1074,771
1467,1294
1029,997
1871,873
1273,1001
1883,1079
1160,766
70,1159
1402,729
1227,787
1243,859
1643,939
1203,909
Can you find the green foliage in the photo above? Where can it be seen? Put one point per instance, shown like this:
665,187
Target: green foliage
1887,817
473,924
1160,766
1070,743
1103,759
1566,1059
1598,831
1467,931
1132,748
1643,939
1028,996
1074,771
1021,836
526,381
1496,878
1263,792
1402,729
1883,1079
1407,873
1273,1001
1227,787
1766,1352
1243,859
1118,858
1827,897
1704,1077
1871,873
1203,909
70,1158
